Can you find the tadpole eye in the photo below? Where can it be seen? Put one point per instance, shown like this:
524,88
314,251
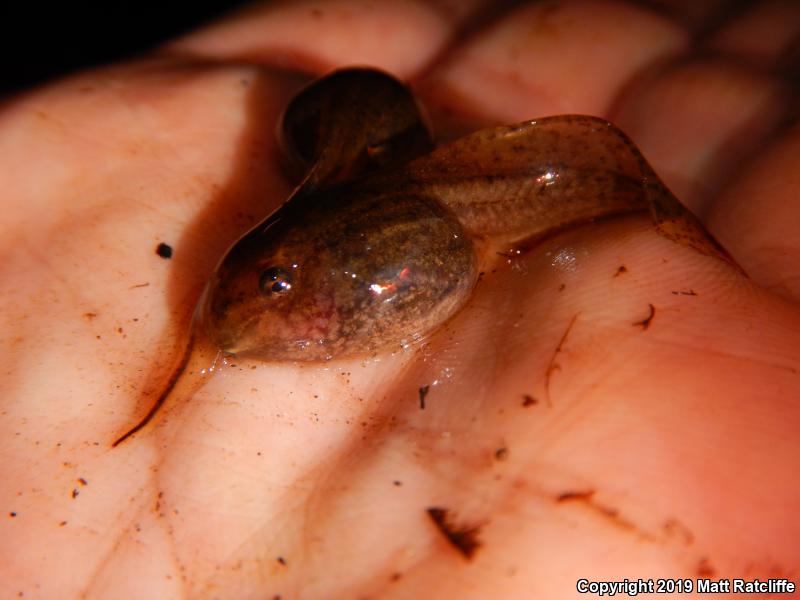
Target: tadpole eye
274,281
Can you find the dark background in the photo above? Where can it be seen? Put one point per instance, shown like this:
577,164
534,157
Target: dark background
42,40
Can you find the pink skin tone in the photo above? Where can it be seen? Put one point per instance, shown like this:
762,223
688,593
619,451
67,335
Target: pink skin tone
662,451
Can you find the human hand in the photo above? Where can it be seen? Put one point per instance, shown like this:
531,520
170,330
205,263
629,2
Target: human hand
579,441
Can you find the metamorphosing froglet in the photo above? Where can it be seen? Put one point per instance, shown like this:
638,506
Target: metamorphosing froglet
376,246
383,239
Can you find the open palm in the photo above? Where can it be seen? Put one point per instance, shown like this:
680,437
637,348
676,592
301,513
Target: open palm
609,405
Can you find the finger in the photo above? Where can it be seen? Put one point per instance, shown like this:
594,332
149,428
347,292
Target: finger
697,121
700,120
765,35
696,16
758,215
711,146
401,37
552,58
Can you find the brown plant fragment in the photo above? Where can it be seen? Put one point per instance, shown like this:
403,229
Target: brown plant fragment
644,324
575,495
553,366
586,497
704,568
463,538
674,528
423,392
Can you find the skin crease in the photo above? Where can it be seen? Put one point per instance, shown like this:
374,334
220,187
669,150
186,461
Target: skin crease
660,449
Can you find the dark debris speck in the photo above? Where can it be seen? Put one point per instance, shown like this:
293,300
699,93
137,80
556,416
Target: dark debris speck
463,538
423,392
164,250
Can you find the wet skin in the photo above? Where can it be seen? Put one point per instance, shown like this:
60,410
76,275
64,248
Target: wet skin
384,237
690,423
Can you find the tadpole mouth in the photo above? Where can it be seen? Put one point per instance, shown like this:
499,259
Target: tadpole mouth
232,337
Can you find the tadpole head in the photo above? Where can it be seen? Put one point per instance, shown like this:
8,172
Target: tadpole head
259,300
339,277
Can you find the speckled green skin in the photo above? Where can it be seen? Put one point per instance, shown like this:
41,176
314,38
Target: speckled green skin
379,236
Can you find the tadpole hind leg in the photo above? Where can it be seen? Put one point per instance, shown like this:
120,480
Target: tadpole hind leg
531,180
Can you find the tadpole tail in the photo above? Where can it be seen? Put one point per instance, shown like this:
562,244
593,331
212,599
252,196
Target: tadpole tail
176,374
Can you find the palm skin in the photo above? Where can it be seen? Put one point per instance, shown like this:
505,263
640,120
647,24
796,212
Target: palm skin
578,440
